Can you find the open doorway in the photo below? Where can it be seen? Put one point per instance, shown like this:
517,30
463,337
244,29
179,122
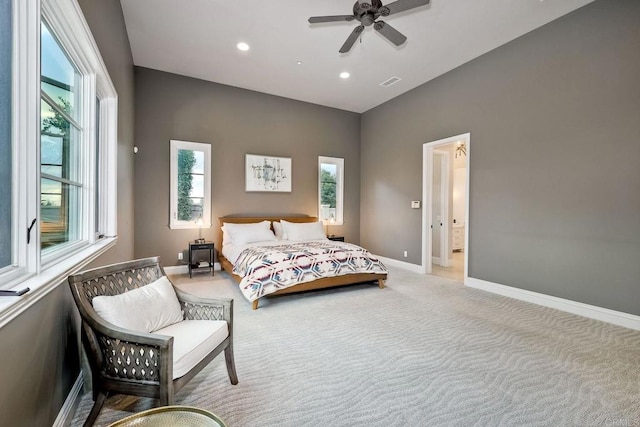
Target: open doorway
446,208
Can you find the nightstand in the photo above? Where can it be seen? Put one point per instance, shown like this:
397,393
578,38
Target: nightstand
336,238
193,249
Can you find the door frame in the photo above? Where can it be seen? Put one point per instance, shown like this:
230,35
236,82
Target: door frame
427,212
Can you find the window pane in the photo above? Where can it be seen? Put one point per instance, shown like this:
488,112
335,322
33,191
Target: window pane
328,194
190,184
51,140
59,76
331,189
58,212
197,186
6,39
60,151
197,206
198,166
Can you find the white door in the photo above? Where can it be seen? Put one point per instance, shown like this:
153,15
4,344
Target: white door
440,208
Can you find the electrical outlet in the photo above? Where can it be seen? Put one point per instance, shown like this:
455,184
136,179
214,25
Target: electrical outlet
406,254
180,255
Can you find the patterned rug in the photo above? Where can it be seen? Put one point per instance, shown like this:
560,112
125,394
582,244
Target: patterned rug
425,351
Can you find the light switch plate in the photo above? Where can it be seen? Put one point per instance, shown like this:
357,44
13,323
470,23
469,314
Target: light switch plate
415,204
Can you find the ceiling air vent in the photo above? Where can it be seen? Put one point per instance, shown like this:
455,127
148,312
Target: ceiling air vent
391,81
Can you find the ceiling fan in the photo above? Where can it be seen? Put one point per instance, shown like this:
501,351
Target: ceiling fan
367,11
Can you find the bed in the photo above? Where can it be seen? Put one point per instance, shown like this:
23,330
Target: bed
375,270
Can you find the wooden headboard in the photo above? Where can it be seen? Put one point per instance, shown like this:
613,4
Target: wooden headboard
252,219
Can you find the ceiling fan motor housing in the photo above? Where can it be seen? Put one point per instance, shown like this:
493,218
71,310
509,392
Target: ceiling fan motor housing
367,11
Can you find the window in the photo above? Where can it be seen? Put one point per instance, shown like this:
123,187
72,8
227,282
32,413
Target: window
58,142
61,137
330,189
190,185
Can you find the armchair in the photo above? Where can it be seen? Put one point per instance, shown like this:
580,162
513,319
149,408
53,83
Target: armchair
151,364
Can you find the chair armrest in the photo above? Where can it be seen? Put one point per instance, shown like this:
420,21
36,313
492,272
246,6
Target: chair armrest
200,308
123,353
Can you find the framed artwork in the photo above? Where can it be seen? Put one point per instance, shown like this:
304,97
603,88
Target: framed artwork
266,173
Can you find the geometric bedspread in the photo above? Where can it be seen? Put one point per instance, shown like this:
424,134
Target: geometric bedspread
266,269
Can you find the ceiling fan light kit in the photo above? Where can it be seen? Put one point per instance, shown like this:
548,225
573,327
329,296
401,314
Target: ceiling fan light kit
367,12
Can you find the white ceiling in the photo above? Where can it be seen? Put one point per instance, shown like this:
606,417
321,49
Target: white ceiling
198,38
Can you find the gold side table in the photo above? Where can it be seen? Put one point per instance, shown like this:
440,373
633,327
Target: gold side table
170,416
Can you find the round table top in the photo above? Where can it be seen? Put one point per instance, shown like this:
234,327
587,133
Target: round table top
171,416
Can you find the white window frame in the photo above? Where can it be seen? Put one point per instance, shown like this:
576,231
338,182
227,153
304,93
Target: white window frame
339,163
174,223
42,271
65,20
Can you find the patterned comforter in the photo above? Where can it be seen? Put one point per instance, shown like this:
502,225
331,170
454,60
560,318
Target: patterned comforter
266,269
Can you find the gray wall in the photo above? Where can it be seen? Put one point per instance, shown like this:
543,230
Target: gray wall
107,26
554,176
235,122
39,360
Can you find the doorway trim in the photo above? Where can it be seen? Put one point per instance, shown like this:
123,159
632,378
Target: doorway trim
427,212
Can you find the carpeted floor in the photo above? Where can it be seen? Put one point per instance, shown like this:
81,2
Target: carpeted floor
425,351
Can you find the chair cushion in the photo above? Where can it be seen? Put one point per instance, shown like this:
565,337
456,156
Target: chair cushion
145,309
192,341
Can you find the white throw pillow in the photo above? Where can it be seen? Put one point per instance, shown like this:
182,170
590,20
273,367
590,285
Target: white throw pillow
241,234
145,309
300,231
226,238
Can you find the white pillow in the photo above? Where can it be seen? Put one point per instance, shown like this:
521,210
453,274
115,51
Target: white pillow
241,234
279,231
145,309
226,239
303,230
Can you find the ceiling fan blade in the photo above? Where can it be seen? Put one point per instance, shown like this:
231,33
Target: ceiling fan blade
402,5
348,44
334,18
393,35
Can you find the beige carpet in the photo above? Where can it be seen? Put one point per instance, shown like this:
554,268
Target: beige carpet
425,351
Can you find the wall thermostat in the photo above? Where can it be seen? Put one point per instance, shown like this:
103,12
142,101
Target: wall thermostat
415,204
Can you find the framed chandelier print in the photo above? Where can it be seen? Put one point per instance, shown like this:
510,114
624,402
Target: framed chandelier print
266,173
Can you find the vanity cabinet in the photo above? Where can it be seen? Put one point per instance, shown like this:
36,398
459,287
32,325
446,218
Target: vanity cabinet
458,238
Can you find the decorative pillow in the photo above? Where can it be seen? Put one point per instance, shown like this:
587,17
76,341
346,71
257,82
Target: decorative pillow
241,234
145,309
226,239
303,231
279,231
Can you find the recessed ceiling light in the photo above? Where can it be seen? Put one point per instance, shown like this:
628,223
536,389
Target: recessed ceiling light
242,46
344,75
299,62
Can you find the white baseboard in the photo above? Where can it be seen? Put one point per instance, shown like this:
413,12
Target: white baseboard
68,410
184,269
401,264
591,311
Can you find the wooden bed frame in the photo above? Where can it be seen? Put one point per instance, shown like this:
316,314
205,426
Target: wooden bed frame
327,282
